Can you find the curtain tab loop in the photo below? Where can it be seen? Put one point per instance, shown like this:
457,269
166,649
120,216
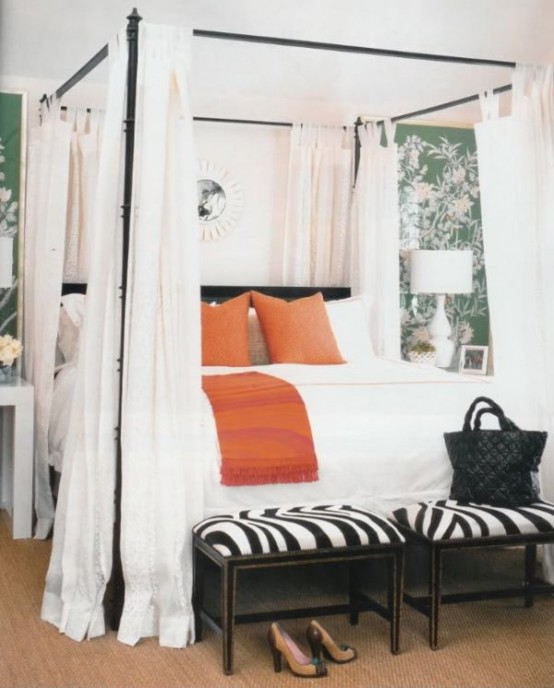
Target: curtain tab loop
390,130
490,105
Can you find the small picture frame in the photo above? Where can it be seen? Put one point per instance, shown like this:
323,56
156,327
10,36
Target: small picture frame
473,359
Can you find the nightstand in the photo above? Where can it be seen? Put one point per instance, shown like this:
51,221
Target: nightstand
16,455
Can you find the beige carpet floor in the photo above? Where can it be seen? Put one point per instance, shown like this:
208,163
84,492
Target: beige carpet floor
492,644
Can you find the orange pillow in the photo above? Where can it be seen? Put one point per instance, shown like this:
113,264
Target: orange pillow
225,332
297,331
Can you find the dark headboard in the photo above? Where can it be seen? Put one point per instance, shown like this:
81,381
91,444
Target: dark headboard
221,293
74,288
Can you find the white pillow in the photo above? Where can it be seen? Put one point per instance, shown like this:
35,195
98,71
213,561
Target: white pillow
349,321
72,314
259,354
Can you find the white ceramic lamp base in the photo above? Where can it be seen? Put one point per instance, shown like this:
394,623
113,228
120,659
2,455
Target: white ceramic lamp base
440,331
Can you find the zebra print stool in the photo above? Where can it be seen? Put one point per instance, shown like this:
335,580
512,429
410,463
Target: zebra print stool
268,538
448,524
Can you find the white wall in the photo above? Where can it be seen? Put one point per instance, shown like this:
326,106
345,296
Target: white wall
257,158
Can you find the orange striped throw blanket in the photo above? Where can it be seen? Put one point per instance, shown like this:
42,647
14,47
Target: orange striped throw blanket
263,429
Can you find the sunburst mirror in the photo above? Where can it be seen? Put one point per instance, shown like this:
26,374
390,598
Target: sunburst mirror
220,200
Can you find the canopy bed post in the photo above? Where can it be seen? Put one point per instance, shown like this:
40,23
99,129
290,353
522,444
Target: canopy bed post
357,123
116,585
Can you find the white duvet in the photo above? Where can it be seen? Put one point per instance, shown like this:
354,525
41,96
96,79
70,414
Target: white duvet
377,428
378,432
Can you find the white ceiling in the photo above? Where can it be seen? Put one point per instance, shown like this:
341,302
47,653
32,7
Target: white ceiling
51,40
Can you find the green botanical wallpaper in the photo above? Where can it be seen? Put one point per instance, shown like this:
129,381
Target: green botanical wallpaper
439,209
11,160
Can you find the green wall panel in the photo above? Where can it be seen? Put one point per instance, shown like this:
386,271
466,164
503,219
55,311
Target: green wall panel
12,163
440,209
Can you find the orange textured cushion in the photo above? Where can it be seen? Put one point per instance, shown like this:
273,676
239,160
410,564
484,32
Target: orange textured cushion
225,332
297,331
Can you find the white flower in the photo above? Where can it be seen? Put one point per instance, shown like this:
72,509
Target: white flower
5,195
460,206
458,175
10,349
466,333
420,334
413,158
424,191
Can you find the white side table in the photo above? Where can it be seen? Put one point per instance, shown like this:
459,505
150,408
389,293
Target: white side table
16,455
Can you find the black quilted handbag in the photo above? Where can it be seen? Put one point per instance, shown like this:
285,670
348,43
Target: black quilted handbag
497,467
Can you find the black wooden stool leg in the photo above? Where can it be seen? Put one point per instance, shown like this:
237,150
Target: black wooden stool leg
395,592
435,571
228,588
354,588
198,567
530,565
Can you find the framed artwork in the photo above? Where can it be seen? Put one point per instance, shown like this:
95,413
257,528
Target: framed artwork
473,359
13,127
220,200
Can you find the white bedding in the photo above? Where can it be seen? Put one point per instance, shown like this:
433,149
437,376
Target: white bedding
378,432
377,428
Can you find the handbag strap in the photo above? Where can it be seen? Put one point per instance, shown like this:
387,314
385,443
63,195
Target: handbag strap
505,423
491,405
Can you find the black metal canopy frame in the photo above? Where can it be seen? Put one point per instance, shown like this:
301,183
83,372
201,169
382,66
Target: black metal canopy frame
115,594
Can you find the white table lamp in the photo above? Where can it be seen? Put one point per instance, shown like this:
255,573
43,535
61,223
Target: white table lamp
6,262
441,273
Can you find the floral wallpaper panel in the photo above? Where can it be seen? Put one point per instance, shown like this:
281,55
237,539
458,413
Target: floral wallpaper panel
12,160
440,209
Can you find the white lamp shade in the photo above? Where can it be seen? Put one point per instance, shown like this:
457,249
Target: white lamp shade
6,262
441,272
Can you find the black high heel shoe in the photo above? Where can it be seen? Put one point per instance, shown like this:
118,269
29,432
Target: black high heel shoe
299,663
320,641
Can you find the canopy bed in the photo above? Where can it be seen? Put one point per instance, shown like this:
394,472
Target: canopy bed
384,448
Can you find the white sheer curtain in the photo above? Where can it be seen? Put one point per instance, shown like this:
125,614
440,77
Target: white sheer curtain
376,237
61,178
81,559
162,474
516,172
85,151
316,244
161,421
47,190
